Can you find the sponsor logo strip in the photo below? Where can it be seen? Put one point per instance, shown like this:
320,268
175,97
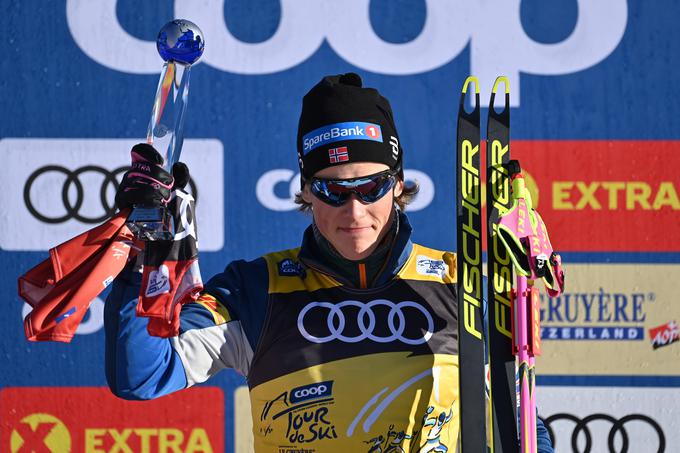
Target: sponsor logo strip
53,203
664,334
601,416
78,419
605,195
354,130
608,309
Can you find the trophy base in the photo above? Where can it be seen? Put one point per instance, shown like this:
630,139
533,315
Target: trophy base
151,224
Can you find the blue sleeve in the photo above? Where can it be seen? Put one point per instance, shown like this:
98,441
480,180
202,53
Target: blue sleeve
544,443
243,288
138,365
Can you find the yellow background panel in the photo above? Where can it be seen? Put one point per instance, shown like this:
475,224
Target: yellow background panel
611,295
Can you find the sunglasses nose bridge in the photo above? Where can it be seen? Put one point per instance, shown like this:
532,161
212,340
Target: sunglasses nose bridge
354,205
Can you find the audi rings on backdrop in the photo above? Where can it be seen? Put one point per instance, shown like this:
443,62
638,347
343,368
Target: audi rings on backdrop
73,210
335,321
618,427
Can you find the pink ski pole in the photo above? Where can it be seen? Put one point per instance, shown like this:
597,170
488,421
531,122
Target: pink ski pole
522,231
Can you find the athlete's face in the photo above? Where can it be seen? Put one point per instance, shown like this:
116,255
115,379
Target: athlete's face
355,229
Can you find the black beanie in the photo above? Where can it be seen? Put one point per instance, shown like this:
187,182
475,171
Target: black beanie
342,122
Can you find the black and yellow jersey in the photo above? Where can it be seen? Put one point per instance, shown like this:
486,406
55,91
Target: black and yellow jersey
330,367
341,369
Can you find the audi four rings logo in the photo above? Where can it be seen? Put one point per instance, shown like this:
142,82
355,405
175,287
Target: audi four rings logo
366,321
73,192
618,427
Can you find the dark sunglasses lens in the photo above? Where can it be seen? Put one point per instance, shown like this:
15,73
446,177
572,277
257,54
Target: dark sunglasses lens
369,190
375,189
322,190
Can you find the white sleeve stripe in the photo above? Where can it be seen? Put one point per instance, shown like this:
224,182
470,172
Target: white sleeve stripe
206,351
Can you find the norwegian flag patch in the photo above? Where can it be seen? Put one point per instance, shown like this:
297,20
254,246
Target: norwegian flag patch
336,155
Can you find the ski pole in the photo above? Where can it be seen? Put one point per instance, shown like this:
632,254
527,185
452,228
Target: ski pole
523,233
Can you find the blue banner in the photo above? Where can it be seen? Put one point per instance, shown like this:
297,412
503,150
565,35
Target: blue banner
79,78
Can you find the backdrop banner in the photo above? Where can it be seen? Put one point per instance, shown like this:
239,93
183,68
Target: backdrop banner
594,122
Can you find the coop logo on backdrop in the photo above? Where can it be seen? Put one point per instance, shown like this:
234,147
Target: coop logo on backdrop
303,28
276,189
58,188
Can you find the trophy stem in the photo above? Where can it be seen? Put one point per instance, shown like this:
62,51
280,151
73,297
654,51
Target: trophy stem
166,126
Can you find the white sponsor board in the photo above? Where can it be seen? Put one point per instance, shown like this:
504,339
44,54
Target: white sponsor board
493,30
646,416
57,188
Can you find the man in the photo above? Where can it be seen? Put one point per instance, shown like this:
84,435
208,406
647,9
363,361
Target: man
347,342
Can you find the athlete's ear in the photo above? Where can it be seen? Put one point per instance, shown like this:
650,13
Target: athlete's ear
398,187
307,194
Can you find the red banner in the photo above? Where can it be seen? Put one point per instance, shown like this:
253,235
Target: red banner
606,195
91,419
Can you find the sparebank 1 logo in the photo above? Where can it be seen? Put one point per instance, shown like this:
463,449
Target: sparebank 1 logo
40,433
304,25
266,193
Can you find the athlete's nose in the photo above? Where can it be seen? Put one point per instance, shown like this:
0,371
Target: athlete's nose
354,207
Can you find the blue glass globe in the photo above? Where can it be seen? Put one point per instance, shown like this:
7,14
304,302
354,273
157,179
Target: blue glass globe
180,40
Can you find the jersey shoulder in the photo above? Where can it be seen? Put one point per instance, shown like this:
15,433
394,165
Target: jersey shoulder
429,264
288,274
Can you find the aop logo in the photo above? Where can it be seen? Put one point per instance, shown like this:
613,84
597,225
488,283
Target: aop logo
395,319
40,432
267,183
492,29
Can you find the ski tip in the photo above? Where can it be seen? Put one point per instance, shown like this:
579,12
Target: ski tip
504,80
471,79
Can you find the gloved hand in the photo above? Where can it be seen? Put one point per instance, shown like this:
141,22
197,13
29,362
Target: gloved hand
170,273
147,183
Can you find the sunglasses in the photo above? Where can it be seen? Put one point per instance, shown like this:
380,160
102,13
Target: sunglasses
368,189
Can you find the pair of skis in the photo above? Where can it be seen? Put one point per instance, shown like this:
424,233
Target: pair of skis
517,240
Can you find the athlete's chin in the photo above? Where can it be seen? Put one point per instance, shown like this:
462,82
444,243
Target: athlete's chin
356,249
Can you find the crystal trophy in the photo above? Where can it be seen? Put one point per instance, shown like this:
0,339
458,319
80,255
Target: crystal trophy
180,43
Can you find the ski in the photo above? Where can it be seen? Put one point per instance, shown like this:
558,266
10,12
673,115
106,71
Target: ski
502,386
472,396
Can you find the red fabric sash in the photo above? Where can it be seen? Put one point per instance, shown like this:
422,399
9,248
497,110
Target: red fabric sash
61,288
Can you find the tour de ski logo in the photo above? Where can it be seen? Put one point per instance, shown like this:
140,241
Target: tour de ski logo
159,282
307,419
305,411
430,266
